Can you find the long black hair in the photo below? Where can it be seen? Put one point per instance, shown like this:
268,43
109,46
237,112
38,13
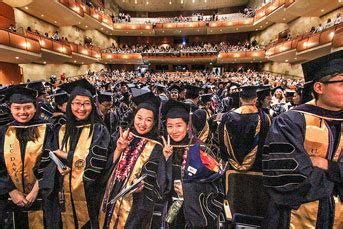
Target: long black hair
72,123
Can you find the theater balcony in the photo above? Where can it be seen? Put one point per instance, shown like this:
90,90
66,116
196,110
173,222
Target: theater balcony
180,29
307,46
242,57
120,58
84,55
17,48
180,57
70,13
52,51
133,29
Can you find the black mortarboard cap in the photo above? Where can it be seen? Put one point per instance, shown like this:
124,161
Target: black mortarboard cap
327,65
289,93
79,87
60,98
248,92
38,86
206,98
263,91
175,87
192,91
148,101
19,94
176,109
105,96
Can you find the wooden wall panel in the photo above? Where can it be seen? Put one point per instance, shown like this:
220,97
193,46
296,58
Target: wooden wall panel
10,73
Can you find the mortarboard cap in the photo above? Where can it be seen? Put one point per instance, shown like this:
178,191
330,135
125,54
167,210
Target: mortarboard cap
148,101
192,91
60,98
263,91
38,86
248,92
80,87
175,87
206,98
105,96
289,93
19,94
327,65
176,109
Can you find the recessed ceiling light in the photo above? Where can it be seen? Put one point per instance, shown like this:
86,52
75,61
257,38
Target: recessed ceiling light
286,60
82,63
17,57
79,23
26,8
44,62
102,28
74,61
322,10
42,15
170,2
86,26
221,30
55,22
284,19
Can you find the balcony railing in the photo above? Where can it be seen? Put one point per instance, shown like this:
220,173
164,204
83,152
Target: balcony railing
50,44
18,41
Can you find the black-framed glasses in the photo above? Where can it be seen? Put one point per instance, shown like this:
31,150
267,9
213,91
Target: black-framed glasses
79,105
333,81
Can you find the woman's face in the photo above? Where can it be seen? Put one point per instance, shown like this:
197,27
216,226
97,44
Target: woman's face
23,113
81,107
144,121
177,129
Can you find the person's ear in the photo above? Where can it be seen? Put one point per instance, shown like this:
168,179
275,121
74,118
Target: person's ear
318,87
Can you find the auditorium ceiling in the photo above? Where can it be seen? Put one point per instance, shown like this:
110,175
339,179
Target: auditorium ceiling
176,5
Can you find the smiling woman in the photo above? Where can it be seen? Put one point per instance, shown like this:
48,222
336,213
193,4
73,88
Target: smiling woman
24,147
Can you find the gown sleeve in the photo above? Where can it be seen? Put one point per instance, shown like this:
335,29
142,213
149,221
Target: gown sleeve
289,176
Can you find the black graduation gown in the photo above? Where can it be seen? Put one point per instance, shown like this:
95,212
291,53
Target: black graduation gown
87,158
111,121
291,180
238,137
135,210
195,211
40,170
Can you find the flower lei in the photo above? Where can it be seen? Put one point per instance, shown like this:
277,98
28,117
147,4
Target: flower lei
128,160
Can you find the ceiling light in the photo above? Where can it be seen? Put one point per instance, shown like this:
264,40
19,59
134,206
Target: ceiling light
102,28
74,61
286,60
55,22
17,57
322,10
26,8
170,2
44,62
284,19
193,1
181,1
86,26
147,2
82,63
42,15
135,1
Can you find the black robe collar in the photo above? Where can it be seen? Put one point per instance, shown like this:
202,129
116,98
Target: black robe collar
311,109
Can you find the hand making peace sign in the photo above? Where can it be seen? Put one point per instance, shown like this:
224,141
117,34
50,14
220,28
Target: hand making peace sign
122,141
167,148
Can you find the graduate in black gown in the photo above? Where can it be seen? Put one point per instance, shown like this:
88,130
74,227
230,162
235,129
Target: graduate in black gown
303,157
109,115
193,174
58,116
137,152
83,146
242,133
24,159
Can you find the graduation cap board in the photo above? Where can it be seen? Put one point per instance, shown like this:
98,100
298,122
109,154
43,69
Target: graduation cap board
206,98
79,87
60,98
175,87
248,92
192,91
263,91
38,86
105,96
327,65
176,109
19,94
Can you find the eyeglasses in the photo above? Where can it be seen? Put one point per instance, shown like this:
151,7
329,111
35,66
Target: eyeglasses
79,105
333,81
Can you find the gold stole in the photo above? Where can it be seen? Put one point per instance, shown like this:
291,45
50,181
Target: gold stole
124,204
73,186
249,159
22,173
316,144
203,135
